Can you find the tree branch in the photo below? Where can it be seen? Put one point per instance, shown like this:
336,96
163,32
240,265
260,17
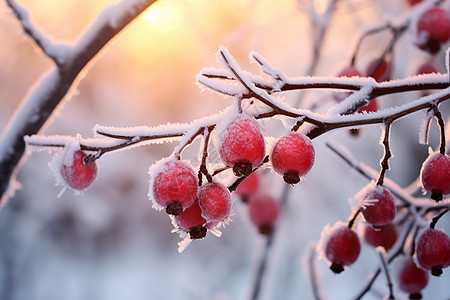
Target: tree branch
37,107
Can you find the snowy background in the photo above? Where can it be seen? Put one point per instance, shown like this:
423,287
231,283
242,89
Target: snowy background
109,243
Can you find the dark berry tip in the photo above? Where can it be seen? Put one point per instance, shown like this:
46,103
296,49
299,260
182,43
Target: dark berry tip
266,229
436,271
174,209
355,132
291,178
197,232
415,296
242,169
437,196
336,268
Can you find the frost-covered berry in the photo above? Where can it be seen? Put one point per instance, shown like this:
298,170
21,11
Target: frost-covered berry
342,248
191,221
248,186
293,156
433,251
264,211
379,69
385,236
174,186
215,201
80,174
433,29
411,279
378,206
435,175
242,145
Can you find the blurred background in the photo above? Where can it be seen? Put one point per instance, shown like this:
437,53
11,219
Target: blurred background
109,243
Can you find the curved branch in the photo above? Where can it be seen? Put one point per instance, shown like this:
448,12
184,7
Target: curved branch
37,107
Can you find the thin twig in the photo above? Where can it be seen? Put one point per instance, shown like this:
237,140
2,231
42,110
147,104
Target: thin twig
384,163
384,265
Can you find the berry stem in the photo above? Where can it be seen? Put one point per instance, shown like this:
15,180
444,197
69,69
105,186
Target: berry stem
384,163
441,124
203,169
351,222
391,258
313,272
384,265
436,218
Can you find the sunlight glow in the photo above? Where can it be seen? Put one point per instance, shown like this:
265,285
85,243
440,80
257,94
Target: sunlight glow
163,16
320,5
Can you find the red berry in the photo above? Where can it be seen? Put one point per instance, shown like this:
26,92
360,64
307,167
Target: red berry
414,2
293,156
79,175
411,279
372,106
248,186
242,145
379,69
342,248
385,236
215,201
378,205
174,187
426,68
433,29
433,251
349,71
264,211
435,175
191,221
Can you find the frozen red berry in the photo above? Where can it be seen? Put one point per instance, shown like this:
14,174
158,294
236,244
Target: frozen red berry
175,186
413,2
433,251
385,236
433,29
379,69
242,145
191,221
342,248
293,156
435,175
248,186
378,205
426,68
215,201
264,211
80,174
349,71
411,279
372,106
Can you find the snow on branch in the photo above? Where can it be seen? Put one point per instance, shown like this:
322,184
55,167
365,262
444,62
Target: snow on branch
39,104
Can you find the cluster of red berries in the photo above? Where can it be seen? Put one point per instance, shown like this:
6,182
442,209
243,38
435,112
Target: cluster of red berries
341,244
242,147
432,254
197,207
174,187
263,209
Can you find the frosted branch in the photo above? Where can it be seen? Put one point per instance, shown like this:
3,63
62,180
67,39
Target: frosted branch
40,103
